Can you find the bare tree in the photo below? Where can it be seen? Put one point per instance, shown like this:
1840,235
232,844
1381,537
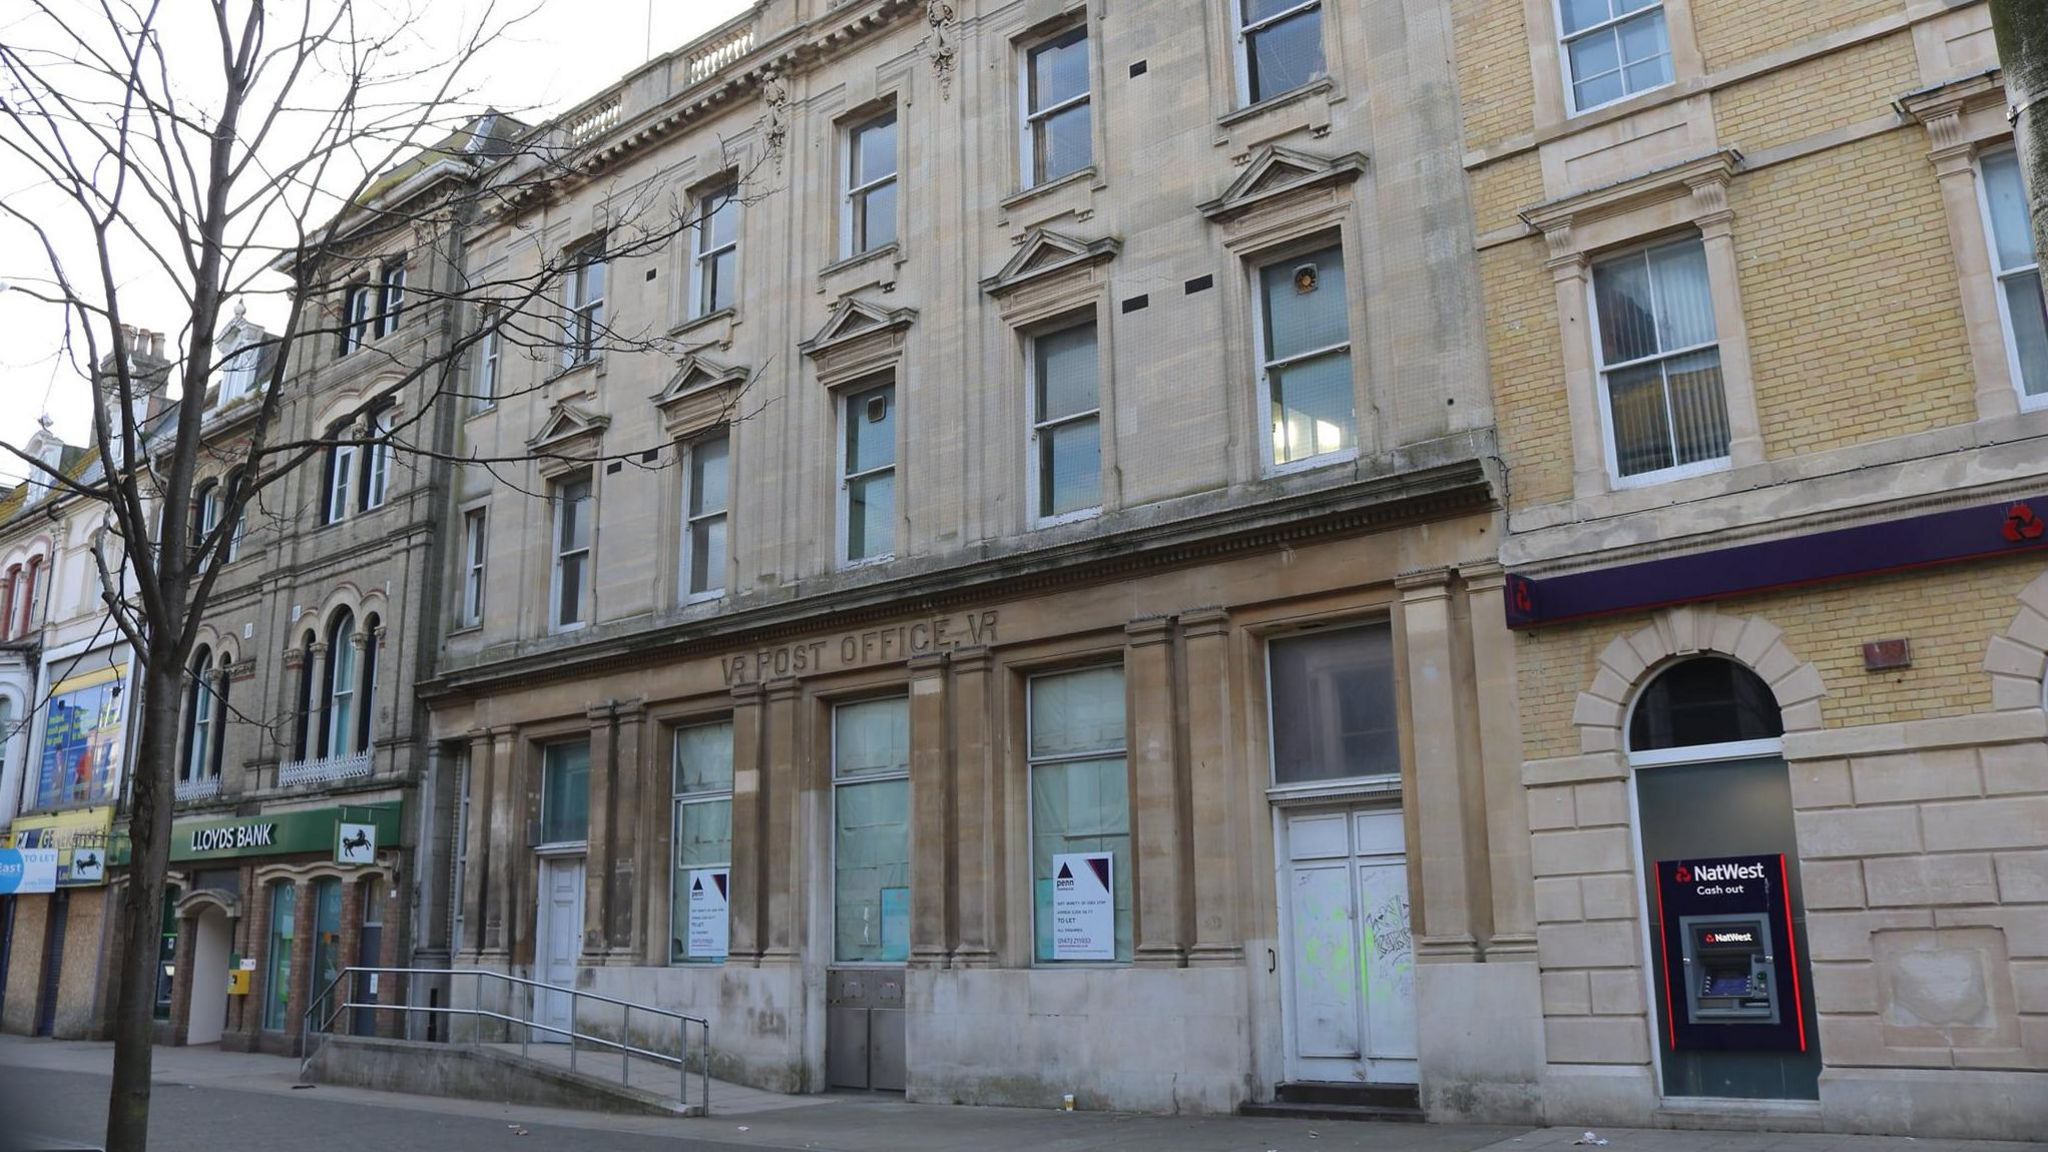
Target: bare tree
2021,29
262,152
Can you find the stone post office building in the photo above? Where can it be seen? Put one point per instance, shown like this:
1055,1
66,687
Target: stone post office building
1076,457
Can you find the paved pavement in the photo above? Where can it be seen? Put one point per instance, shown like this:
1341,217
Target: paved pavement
210,1101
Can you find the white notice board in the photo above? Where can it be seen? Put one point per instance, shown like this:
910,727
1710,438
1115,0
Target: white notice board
1083,906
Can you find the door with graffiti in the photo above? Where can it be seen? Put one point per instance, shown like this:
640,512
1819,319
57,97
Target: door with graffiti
1350,987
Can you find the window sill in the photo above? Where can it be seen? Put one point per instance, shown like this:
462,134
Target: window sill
730,315
1620,106
1074,517
1273,471
594,365
891,250
1667,475
1349,786
869,562
1321,84
466,630
698,599
474,413
1087,174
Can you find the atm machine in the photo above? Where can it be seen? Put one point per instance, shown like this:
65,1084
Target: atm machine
1729,954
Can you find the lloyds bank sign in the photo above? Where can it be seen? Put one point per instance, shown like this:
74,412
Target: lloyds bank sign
307,831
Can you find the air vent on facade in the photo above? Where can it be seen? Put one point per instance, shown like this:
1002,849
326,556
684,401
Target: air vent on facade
1200,284
1136,302
612,469
1137,69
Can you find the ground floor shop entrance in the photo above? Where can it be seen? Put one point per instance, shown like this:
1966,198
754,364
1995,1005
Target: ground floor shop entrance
560,944
1350,956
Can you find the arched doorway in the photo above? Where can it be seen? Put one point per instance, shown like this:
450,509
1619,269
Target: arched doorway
1726,923
212,938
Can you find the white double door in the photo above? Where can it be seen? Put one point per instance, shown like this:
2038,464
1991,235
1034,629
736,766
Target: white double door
559,944
1350,988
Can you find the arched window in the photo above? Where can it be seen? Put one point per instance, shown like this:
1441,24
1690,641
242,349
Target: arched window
8,588
340,689
206,506
373,628
307,737
230,490
219,684
199,721
1708,700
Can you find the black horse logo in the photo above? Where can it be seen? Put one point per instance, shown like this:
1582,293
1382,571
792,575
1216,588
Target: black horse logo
87,863
360,842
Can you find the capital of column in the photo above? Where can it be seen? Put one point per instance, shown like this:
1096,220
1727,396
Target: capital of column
1205,622
630,711
599,713
1149,630
926,665
1424,584
746,694
1483,575
977,659
784,689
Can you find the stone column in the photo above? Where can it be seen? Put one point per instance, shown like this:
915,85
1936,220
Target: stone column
782,825
631,781
978,812
604,768
511,860
305,926
1500,751
1568,274
1446,919
748,813
478,843
1738,387
1156,797
931,806
314,717
1212,785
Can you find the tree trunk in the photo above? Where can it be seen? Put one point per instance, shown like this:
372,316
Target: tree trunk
2021,28
149,833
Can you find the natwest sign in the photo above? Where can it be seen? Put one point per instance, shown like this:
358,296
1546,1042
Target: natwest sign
1719,873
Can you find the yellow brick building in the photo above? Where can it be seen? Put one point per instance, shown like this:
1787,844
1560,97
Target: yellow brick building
1771,376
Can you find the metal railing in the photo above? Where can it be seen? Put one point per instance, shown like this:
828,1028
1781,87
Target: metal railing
203,788
325,770
525,1023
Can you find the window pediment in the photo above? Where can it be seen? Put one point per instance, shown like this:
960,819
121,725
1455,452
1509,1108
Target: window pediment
700,395
1277,174
567,439
859,337
1051,272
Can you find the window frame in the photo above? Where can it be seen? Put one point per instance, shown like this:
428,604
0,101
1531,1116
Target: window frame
337,486
1035,426
1601,396
1373,782
1030,118
559,554
1564,55
690,520
1999,275
854,196
484,388
475,560
376,485
832,848
337,732
541,812
1031,765
390,298
1243,32
725,191
1257,263
844,533
199,719
583,311
356,316
678,799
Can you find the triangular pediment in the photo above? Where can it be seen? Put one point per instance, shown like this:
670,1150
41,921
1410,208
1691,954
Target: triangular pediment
566,425
695,374
1043,253
1276,172
852,319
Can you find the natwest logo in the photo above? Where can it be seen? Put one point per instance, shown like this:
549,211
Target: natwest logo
1730,938
1716,873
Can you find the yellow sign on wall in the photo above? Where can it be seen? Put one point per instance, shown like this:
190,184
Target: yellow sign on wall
238,982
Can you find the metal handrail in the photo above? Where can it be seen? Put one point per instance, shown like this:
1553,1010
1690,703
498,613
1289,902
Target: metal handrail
626,1049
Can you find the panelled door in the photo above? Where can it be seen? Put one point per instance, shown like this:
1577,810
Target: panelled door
559,943
1350,958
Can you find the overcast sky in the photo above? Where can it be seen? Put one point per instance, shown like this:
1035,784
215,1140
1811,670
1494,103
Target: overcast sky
569,50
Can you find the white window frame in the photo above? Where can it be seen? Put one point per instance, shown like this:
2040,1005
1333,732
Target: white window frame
1601,369
584,840
563,554
484,390
1029,117
853,201
475,556
1564,55
691,521
1268,462
1031,765
832,831
1242,33
1999,275
356,318
1034,479
199,726
341,464
340,728
725,193
390,298
238,376
1296,789
582,310
210,504
377,461
845,517
678,800
232,480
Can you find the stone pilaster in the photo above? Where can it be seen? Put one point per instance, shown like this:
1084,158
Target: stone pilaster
782,825
1439,795
978,812
1500,751
748,822
478,843
1212,785
1158,803
601,832
931,806
630,753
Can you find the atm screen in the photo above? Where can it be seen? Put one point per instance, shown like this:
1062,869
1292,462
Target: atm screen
1726,984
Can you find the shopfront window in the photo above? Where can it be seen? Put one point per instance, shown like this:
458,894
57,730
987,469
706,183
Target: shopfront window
277,990
327,965
701,885
871,831
565,793
1333,705
1080,811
